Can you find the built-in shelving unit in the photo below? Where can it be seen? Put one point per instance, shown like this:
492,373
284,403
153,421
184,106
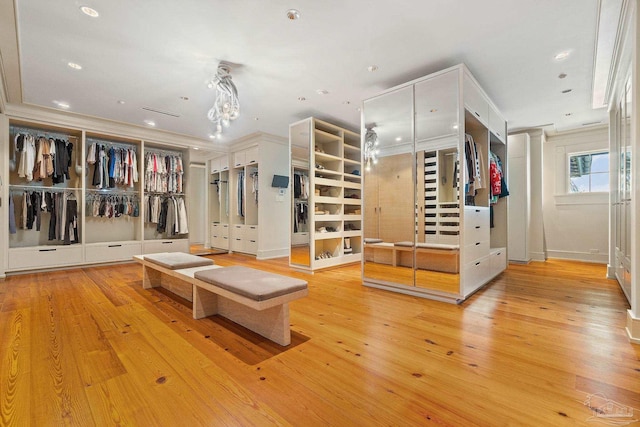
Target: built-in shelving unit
335,194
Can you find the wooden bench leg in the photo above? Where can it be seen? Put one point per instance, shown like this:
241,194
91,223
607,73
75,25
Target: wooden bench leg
271,323
205,303
150,278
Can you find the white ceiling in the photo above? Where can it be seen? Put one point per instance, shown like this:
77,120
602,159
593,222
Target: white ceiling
150,54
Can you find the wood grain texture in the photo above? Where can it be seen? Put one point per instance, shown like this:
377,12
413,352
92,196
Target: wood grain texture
92,347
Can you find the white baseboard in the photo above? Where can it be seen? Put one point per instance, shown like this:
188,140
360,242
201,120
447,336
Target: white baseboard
579,256
633,327
538,256
273,253
611,272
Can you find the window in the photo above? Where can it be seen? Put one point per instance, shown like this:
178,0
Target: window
589,172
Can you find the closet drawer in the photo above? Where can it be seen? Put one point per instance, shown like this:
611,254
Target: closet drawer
251,246
475,215
236,244
475,251
251,232
239,159
498,261
113,251
479,233
476,274
175,245
44,256
237,232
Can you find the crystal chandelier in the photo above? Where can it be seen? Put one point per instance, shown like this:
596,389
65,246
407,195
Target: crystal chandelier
370,150
226,106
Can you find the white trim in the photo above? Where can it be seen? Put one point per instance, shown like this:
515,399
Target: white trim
272,253
599,258
633,328
538,256
573,199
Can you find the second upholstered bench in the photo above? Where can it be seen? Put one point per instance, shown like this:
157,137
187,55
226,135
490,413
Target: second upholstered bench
255,299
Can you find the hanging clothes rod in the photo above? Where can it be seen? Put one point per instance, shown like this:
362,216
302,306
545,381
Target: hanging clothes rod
163,152
110,191
51,134
124,145
42,188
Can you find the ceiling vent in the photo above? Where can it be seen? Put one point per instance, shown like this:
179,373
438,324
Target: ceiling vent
166,113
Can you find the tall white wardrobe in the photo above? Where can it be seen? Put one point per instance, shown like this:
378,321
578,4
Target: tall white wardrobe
246,213
435,187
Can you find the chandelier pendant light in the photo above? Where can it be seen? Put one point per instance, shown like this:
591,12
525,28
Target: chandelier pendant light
370,148
226,106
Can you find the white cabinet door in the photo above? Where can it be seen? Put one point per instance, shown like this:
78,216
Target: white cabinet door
251,155
474,101
497,124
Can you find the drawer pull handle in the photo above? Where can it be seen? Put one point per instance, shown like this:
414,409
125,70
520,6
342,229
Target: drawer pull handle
477,210
477,263
115,246
499,253
167,243
47,250
476,113
477,226
477,243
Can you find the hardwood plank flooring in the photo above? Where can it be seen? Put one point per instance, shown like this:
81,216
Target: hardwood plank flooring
89,346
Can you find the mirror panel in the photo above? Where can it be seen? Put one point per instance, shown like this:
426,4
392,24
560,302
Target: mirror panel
299,138
389,199
437,259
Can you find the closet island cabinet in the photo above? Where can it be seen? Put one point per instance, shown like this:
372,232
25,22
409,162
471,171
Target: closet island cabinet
75,196
434,208
246,213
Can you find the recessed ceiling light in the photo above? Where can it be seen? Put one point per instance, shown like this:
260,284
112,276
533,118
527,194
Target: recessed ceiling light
62,104
212,136
399,138
120,101
196,148
89,11
346,102
74,65
293,14
372,68
184,98
322,92
150,122
302,98
562,55
358,109
433,110
256,118
562,75
567,114
567,90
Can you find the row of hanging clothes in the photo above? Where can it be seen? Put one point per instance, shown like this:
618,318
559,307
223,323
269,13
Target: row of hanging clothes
222,191
113,164
169,213
163,172
26,209
241,191
300,216
112,205
476,176
36,157
300,186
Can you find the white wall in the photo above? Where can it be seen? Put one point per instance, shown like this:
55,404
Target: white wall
576,226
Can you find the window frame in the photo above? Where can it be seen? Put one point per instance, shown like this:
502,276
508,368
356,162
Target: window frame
591,153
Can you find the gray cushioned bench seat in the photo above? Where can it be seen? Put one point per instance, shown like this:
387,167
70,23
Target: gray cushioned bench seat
255,284
177,260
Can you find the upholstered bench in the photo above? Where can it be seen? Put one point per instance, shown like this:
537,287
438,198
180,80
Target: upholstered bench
255,299
172,271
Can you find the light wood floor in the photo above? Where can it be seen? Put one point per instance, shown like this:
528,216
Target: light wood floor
90,347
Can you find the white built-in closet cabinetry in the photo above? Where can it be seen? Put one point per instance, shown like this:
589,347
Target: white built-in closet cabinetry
111,222
247,214
426,232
